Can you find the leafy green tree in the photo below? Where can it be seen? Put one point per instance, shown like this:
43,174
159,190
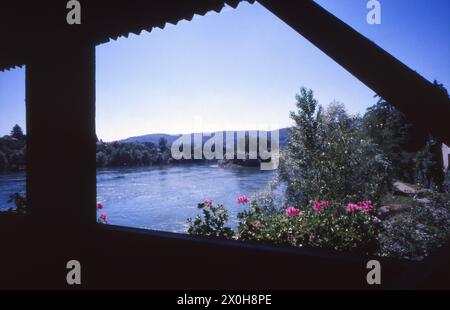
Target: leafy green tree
17,159
101,159
13,150
162,144
396,136
328,157
17,133
415,155
130,154
137,156
3,161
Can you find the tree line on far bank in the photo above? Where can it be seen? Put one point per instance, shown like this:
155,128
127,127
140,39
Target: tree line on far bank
117,154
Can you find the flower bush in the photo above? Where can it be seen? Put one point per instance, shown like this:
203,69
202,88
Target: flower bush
212,222
345,227
329,157
102,218
334,171
20,202
291,211
321,224
417,231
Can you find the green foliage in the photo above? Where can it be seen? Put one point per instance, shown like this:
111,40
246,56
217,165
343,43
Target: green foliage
404,144
419,230
271,198
162,144
328,157
212,222
3,161
131,154
17,133
428,172
13,150
397,138
20,203
415,155
336,157
333,227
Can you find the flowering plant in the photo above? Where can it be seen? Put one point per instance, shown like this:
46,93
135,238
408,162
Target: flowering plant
242,200
319,205
322,223
291,211
102,218
366,206
345,227
211,222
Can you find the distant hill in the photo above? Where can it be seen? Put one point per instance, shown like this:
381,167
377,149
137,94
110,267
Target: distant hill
154,138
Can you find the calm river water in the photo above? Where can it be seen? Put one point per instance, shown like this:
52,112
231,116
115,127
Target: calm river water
161,197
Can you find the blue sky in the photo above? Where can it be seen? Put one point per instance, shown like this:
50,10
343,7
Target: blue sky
12,99
241,69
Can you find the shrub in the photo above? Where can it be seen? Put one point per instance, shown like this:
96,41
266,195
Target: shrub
102,217
271,198
327,225
211,222
328,156
321,224
20,203
420,229
3,161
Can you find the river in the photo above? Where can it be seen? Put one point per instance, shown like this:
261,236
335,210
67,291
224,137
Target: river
161,197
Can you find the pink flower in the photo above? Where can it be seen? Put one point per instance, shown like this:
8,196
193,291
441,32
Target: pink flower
99,206
242,200
351,207
208,203
317,205
256,224
103,216
365,206
312,237
291,211
376,220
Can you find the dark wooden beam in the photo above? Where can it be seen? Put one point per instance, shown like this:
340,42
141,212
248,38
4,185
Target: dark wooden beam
419,99
61,135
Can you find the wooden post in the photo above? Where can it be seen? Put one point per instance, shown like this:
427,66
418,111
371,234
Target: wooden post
60,97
